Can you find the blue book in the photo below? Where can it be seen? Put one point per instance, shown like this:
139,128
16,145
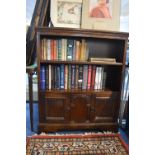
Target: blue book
70,47
42,77
62,76
58,77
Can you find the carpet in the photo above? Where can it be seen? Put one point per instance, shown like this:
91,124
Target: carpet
102,144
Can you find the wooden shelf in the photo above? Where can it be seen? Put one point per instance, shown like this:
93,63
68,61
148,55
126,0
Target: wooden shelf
80,62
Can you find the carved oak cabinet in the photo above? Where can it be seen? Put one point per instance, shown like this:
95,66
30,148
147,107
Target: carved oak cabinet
74,109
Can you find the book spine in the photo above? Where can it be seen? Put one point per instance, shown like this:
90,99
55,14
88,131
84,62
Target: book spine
45,49
77,76
96,78
66,76
59,49
55,76
54,50
69,76
77,53
70,47
85,77
46,77
80,77
74,50
99,78
62,76
42,50
89,76
49,86
48,49
93,77
73,77
52,76
102,72
42,77
58,77
104,80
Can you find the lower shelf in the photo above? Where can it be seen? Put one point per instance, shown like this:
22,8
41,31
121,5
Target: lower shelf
44,127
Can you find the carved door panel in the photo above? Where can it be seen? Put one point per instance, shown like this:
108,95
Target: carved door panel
80,108
103,107
56,108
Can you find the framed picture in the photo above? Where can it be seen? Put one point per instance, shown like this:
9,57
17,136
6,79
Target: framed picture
101,14
66,13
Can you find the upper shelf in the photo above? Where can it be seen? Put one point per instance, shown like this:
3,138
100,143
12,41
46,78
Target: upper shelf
82,33
80,62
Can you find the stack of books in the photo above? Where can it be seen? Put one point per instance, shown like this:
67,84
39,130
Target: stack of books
90,77
64,49
106,60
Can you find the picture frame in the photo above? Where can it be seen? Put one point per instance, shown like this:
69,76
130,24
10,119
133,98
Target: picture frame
66,13
96,19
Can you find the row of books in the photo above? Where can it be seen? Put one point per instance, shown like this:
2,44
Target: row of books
64,49
63,76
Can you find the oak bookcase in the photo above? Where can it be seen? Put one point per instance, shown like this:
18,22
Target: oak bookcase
77,109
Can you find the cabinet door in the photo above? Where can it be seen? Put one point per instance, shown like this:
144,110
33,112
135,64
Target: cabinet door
103,108
80,108
56,108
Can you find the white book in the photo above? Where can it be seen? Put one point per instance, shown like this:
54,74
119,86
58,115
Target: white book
48,49
49,77
99,78
102,72
96,78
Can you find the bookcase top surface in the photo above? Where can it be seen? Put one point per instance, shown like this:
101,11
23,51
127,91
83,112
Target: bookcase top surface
82,33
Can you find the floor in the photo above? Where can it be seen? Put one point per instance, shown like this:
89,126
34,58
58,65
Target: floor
35,117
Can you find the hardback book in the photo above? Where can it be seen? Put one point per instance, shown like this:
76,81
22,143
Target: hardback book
42,49
72,76
52,77
58,77
48,49
83,50
74,50
64,49
110,60
93,77
78,49
46,78
49,82
70,48
85,76
102,72
104,80
54,49
80,77
89,76
66,76
69,76
45,49
76,76
96,78
59,49
42,77
55,76
99,78
62,76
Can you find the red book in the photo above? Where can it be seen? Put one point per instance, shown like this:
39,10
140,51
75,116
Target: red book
93,77
89,76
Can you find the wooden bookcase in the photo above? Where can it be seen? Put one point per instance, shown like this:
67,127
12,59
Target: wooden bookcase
78,109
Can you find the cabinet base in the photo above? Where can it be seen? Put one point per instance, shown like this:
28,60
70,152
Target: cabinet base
44,127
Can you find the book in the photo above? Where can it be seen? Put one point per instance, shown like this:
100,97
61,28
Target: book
48,49
76,76
72,76
99,78
69,76
46,77
42,77
89,77
59,49
62,76
74,51
93,77
85,76
70,48
45,49
78,48
80,77
49,68
57,77
104,80
110,60
54,49
64,49
102,72
66,76
52,77
96,78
